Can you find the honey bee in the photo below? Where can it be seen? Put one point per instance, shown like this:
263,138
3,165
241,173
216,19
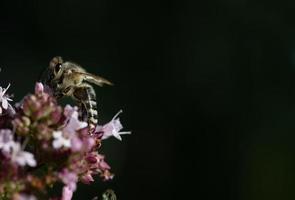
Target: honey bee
70,79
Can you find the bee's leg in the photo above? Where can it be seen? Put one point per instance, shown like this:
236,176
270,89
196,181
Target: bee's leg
85,94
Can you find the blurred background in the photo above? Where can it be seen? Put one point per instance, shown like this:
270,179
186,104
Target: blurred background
207,89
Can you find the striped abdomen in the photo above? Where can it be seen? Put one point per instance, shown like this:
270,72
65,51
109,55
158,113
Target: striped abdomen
85,95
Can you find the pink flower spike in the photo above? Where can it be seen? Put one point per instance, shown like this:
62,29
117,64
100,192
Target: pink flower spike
39,88
67,193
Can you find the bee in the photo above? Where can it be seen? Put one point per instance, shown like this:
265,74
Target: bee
70,79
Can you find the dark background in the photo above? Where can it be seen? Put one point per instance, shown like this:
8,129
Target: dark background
207,88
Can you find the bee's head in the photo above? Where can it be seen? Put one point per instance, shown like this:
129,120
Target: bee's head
55,66
52,75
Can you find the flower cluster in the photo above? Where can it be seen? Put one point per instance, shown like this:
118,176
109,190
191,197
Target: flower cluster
42,143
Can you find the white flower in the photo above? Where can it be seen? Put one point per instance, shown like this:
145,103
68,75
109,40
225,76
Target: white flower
4,99
59,141
6,140
112,128
21,157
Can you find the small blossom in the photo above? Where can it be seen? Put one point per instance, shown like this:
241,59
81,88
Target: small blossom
59,141
6,140
112,128
67,193
21,157
4,99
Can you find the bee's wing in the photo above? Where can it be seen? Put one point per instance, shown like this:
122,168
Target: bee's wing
94,79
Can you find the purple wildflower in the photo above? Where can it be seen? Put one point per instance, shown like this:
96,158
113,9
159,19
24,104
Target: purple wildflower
62,143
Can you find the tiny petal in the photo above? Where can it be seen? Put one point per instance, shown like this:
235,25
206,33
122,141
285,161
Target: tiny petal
117,135
6,88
